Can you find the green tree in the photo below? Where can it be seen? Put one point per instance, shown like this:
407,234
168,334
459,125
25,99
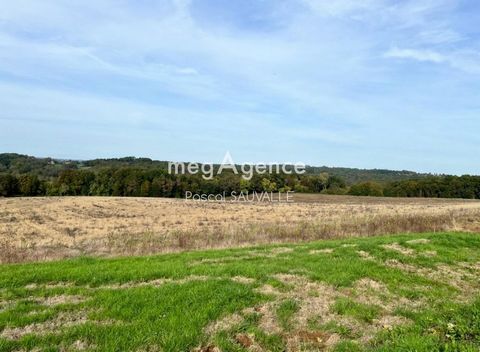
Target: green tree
8,185
29,185
370,188
268,186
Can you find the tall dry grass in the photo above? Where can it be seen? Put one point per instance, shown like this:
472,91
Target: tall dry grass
37,229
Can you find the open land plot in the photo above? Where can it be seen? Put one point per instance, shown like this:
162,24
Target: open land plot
60,227
415,292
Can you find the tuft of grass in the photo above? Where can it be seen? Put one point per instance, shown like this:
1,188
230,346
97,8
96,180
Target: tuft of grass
279,285
332,327
360,311
285,312
348,346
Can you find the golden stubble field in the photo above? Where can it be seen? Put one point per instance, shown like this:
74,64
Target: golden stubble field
46,228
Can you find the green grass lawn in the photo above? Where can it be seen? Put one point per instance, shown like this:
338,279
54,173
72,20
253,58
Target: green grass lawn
392,293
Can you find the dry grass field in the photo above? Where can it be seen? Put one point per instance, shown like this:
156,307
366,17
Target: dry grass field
35,229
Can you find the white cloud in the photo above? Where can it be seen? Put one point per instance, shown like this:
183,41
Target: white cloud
342,7
439,36
419,55
464,60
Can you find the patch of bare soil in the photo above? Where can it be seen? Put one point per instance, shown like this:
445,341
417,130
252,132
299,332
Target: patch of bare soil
228,259
4,305
65,299
457,276
308,340
419,241
470,266
49,285
321,251
273,253
60,299
81,345
281,250
371,292
154,283
224,324
268,290
466,282
243,280
268,318
61,321
428,253
208,348
316,300
400,249
248,341
394,263
388,322
318,306
365,255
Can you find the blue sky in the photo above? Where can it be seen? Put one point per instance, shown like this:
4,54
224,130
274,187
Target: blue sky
370,84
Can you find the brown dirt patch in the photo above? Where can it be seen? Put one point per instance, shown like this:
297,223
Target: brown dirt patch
248,255
63,320
428,253
365,255
394,263
470,266
268,290
268,320
50,285
224,324
308,340
419,241
154,283
81,345
316,300
209,348
319,307
388,322
400,249
322,251
243,280
248,341
371,292
60,299
4,305
459,277
281,250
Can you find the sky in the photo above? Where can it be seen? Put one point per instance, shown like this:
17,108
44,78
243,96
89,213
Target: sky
368,84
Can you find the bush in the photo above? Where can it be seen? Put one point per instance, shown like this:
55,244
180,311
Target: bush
372,189
8,186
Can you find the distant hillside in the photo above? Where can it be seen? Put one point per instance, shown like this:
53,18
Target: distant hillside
352,176
22,175
49,167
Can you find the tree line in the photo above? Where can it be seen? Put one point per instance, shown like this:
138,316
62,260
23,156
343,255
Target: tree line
19,164
157,182
23,175
466,186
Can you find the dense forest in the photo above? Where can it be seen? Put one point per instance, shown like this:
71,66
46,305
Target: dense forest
18,164
133,181
22,175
